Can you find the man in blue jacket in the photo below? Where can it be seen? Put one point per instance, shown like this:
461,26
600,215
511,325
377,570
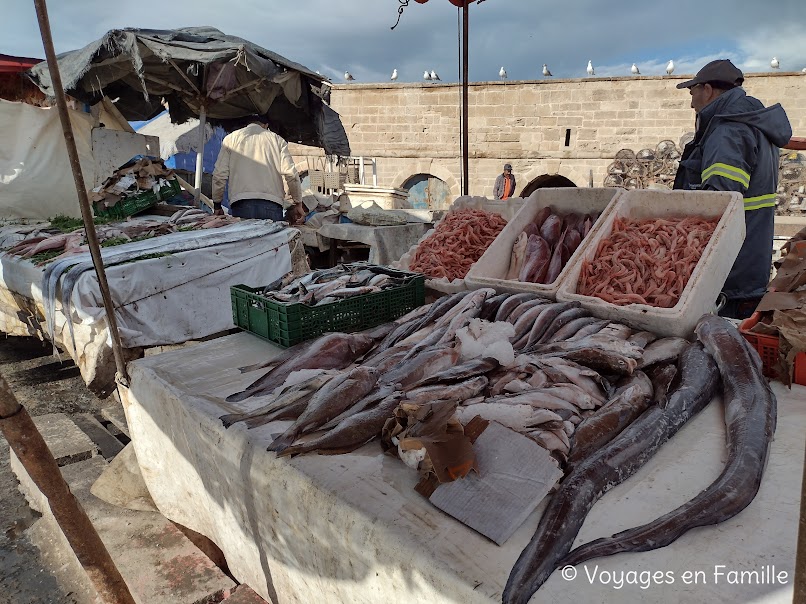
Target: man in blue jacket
735,148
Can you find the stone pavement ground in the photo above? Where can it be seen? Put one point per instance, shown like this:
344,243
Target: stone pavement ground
43,385
160,561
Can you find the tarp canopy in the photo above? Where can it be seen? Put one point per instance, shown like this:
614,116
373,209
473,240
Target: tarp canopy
197,67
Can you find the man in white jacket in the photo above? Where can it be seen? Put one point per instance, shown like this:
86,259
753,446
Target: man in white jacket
255,160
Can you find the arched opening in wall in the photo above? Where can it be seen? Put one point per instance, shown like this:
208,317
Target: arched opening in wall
427,192
544,181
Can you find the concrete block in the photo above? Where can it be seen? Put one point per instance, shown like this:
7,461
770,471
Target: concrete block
158,563
108,444
66,441
116,415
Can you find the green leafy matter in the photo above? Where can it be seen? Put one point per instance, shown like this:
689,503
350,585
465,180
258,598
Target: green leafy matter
45,256
65,224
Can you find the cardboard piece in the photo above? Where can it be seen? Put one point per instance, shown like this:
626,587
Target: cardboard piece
515,474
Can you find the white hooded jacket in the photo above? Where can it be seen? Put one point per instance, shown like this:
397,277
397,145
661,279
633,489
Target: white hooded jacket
255,161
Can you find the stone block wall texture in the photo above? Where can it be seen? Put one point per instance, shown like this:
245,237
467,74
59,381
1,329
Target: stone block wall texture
564,127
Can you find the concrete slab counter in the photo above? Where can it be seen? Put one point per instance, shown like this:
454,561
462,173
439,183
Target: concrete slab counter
351,528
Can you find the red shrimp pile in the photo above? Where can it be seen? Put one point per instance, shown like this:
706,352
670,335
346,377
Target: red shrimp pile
646,261
457,242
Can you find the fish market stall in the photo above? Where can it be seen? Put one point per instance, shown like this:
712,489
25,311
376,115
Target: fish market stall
169,278
352,528
517,442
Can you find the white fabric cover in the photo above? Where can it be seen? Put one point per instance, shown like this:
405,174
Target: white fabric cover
35,176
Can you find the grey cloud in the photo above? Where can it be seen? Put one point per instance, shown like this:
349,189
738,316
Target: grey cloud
355,35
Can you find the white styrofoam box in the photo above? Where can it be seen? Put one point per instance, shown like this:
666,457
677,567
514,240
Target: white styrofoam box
506,208
700,294
492,267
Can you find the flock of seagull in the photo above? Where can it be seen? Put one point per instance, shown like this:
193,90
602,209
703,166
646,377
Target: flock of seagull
431,75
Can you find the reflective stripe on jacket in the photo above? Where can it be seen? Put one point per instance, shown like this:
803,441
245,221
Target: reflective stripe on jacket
735,148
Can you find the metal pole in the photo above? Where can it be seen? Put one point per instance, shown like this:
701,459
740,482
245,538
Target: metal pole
29,447
200,156
81,190
465,28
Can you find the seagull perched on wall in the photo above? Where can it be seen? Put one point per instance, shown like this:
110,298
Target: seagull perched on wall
502,73
670,68
803,70
394,75
590,68
434,75
426,75
774,63
634,70
348,76
546,71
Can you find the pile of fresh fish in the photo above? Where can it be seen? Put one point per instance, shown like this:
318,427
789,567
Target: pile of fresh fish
333,284
542,250
457,242
75,242
569,378
646,261
599,397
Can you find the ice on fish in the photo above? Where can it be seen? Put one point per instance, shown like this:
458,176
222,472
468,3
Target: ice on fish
484,338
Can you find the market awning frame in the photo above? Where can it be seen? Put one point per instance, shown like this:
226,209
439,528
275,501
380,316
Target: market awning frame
200,72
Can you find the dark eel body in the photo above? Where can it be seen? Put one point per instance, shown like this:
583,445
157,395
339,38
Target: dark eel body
750,418
612,465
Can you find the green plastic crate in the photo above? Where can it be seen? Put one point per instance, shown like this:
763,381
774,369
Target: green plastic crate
289,324
129,206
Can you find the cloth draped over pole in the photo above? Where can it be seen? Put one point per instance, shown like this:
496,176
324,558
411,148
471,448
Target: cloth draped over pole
200,72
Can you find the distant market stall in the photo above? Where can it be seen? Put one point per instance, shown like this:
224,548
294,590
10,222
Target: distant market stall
169,285
200,72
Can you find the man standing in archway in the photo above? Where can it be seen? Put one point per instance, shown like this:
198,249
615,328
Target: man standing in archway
504,184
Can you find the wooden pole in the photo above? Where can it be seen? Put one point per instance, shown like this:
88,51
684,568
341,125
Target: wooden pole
465,30
86,211
800,559
29,447
200,156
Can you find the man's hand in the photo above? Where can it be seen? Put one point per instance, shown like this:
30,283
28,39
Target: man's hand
295,214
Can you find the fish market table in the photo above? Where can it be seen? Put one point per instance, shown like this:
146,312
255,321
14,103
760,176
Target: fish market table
167,290
351,528
386,243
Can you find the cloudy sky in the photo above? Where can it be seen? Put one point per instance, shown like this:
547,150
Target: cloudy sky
332,36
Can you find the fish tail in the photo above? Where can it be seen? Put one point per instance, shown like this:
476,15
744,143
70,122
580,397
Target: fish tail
293,450
282,442
594,549
239,396
231,418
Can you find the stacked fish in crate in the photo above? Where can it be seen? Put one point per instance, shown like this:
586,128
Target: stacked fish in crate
347,298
